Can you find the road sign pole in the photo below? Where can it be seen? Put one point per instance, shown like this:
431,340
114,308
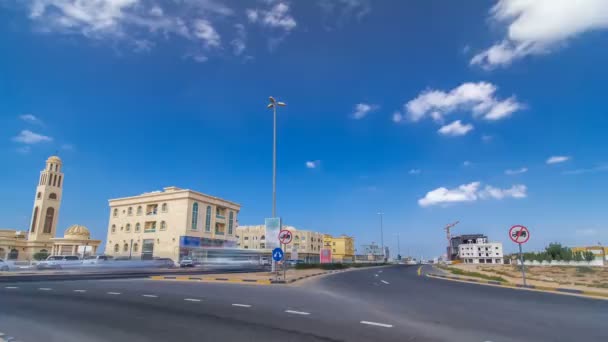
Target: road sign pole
523,268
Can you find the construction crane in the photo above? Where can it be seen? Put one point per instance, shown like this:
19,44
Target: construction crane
449,237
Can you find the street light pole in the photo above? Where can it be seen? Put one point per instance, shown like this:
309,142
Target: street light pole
273,104
382,238
398,245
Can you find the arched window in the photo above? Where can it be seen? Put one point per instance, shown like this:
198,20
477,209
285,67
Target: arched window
230,218
130,211
163,225
115,213
13,255
139,210
208,219
59,182
263,237
135,247
128,227
113,228
163,208
53,196
116,248
56,167
34,219
125,247
55,179
48,220
39,196
194,216
137,227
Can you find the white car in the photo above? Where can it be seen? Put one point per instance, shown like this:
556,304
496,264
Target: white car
97,259
58,262
3,266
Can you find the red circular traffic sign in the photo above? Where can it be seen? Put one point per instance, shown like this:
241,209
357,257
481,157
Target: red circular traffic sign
519,234
285,236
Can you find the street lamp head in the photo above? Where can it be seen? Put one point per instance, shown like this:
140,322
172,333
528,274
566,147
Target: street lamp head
282,104
270,105
271,99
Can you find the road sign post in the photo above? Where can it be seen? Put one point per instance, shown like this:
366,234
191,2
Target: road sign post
520,235
277,255
285,237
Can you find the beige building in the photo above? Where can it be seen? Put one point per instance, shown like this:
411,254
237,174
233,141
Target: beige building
342,248
40,238
172,223
305,243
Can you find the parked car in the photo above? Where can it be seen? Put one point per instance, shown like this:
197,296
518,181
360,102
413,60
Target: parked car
164,262
57,262
294,262
3,266
186,262
97,259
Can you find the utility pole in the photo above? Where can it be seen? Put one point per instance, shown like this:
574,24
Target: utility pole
382,238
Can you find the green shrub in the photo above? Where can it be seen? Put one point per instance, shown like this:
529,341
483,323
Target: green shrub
458,271
584,269
40,256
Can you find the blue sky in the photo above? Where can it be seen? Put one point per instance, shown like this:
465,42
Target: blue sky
429,111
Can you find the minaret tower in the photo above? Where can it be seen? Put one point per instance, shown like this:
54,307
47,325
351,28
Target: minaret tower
47,201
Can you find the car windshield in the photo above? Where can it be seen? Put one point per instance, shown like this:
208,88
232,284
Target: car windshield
304,170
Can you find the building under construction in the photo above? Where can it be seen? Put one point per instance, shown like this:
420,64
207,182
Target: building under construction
455,241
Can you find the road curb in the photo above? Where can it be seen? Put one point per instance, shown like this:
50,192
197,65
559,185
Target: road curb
212,279
556,290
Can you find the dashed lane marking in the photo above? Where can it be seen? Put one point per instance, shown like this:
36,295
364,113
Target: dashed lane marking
377,324
419,270
386,282
11,287
192,300
149,296
113,293
297,312
375,275
242,305
44,289
80,291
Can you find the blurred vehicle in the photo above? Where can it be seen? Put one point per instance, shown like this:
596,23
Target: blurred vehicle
186,262
3,266
97,259
292,263
163,262
57,262
264,261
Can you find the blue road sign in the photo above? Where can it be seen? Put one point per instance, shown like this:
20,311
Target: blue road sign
277,254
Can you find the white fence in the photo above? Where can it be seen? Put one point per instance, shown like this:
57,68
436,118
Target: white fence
561,263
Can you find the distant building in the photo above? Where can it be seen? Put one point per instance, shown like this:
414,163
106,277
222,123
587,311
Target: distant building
41,235
480,251
342,248
373,252
600,252
455,241
170,224
305,243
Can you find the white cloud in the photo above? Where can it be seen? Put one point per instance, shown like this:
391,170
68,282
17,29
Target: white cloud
557,159
202,29
479,98
29,118
362,109
516,191
469,193
510,172
539,26
415,171
466,163
397,117
341,11
277,16
238,43
456,128
313,164
29,137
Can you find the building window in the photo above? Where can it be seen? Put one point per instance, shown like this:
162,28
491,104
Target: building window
333,250
164,208
208,219
116,248
39,195
125,247
150,227
230,218
128,227
194,216
135,247
53,196
163,225
262,245
137,227
246,238
59,182
34,219
263,237
115,213
130,211
151,209
113,228
139,210
48,220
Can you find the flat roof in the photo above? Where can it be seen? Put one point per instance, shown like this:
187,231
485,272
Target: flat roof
171,190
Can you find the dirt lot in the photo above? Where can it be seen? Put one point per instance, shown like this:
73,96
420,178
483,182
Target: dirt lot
577,277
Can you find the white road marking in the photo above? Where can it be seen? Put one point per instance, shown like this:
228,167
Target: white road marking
81,291
192,299
242,305
44,289
113,293
297,312
375,275
149,296
377,324
380,271
386,282
11,287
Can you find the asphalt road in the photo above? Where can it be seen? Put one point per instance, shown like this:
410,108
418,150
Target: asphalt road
380,304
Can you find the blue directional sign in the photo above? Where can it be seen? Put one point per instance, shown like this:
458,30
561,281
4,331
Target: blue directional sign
277,254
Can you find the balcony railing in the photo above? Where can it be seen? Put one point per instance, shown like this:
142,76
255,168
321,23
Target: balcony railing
222,217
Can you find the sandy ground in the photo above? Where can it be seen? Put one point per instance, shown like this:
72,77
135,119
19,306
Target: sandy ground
582,278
